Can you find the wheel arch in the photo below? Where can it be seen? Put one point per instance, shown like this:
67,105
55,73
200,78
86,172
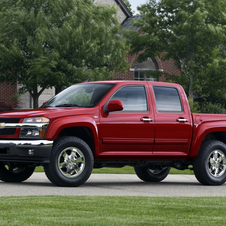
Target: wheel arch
205,135
83,128
220,135
81,132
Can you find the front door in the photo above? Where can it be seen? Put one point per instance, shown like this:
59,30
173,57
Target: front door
130,132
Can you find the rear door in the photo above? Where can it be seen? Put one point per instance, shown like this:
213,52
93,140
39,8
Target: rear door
173,123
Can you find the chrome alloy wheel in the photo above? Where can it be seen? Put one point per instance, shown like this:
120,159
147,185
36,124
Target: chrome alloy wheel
216,163
71,162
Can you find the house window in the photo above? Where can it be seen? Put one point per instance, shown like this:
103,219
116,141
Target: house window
142,71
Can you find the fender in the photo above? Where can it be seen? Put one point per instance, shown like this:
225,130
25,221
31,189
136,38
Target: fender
74,121
200,131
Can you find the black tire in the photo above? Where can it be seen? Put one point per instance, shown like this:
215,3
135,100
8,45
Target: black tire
11,172
210,164
154,174
71,162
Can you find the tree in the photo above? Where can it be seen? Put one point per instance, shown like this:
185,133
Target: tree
128,5
190,32
46,43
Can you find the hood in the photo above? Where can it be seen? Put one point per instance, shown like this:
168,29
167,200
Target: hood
51,113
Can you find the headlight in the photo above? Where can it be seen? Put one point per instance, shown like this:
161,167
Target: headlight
34,127
36,120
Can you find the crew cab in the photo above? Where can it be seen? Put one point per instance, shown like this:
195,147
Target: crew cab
143,124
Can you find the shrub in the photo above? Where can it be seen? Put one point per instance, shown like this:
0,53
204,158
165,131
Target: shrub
194,106
214,108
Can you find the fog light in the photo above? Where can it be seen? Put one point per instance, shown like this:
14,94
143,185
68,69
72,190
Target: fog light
30,151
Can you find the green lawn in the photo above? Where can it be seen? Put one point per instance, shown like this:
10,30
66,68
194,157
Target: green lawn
93,210
124,170
130,170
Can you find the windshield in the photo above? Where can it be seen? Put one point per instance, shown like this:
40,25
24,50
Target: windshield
80,95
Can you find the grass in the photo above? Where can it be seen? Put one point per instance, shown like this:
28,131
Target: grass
124,170
93,210
130,170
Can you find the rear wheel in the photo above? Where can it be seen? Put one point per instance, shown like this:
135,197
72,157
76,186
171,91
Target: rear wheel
210,164
71,162
12,172
153,174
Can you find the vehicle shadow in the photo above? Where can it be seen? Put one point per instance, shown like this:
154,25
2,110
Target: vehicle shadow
140,183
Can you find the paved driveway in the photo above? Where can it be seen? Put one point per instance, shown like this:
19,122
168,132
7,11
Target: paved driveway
114,185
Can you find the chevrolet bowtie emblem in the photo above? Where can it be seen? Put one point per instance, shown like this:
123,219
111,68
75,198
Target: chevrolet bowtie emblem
2,125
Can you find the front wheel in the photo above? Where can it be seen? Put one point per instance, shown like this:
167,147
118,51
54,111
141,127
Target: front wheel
210,164
12,172
71,162
154,174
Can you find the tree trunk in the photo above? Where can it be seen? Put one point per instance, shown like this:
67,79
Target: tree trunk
35,101
35,96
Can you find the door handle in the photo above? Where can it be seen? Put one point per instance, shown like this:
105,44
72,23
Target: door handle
146,119
182,120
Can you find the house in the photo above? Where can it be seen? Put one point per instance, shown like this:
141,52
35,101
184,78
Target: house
136,71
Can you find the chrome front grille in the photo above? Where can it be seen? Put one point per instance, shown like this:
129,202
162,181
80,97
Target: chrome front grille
8,131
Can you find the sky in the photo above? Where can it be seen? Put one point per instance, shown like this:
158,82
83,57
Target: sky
135,3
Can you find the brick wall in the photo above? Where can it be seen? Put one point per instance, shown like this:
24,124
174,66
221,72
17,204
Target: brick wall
6,94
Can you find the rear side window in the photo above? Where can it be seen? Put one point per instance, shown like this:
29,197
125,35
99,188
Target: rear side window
167,99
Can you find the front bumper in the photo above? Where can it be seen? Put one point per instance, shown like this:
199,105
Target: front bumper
32,151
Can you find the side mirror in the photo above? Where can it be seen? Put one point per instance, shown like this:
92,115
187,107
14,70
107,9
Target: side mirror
113,105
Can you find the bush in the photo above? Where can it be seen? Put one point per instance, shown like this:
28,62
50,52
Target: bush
213,108
194,106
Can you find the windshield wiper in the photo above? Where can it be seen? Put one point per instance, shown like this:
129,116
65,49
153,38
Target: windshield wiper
66,105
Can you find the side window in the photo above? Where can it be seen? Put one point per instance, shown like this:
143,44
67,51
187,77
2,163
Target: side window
133,97
167,99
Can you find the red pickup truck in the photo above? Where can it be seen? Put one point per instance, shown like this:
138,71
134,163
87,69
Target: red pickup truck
147,125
